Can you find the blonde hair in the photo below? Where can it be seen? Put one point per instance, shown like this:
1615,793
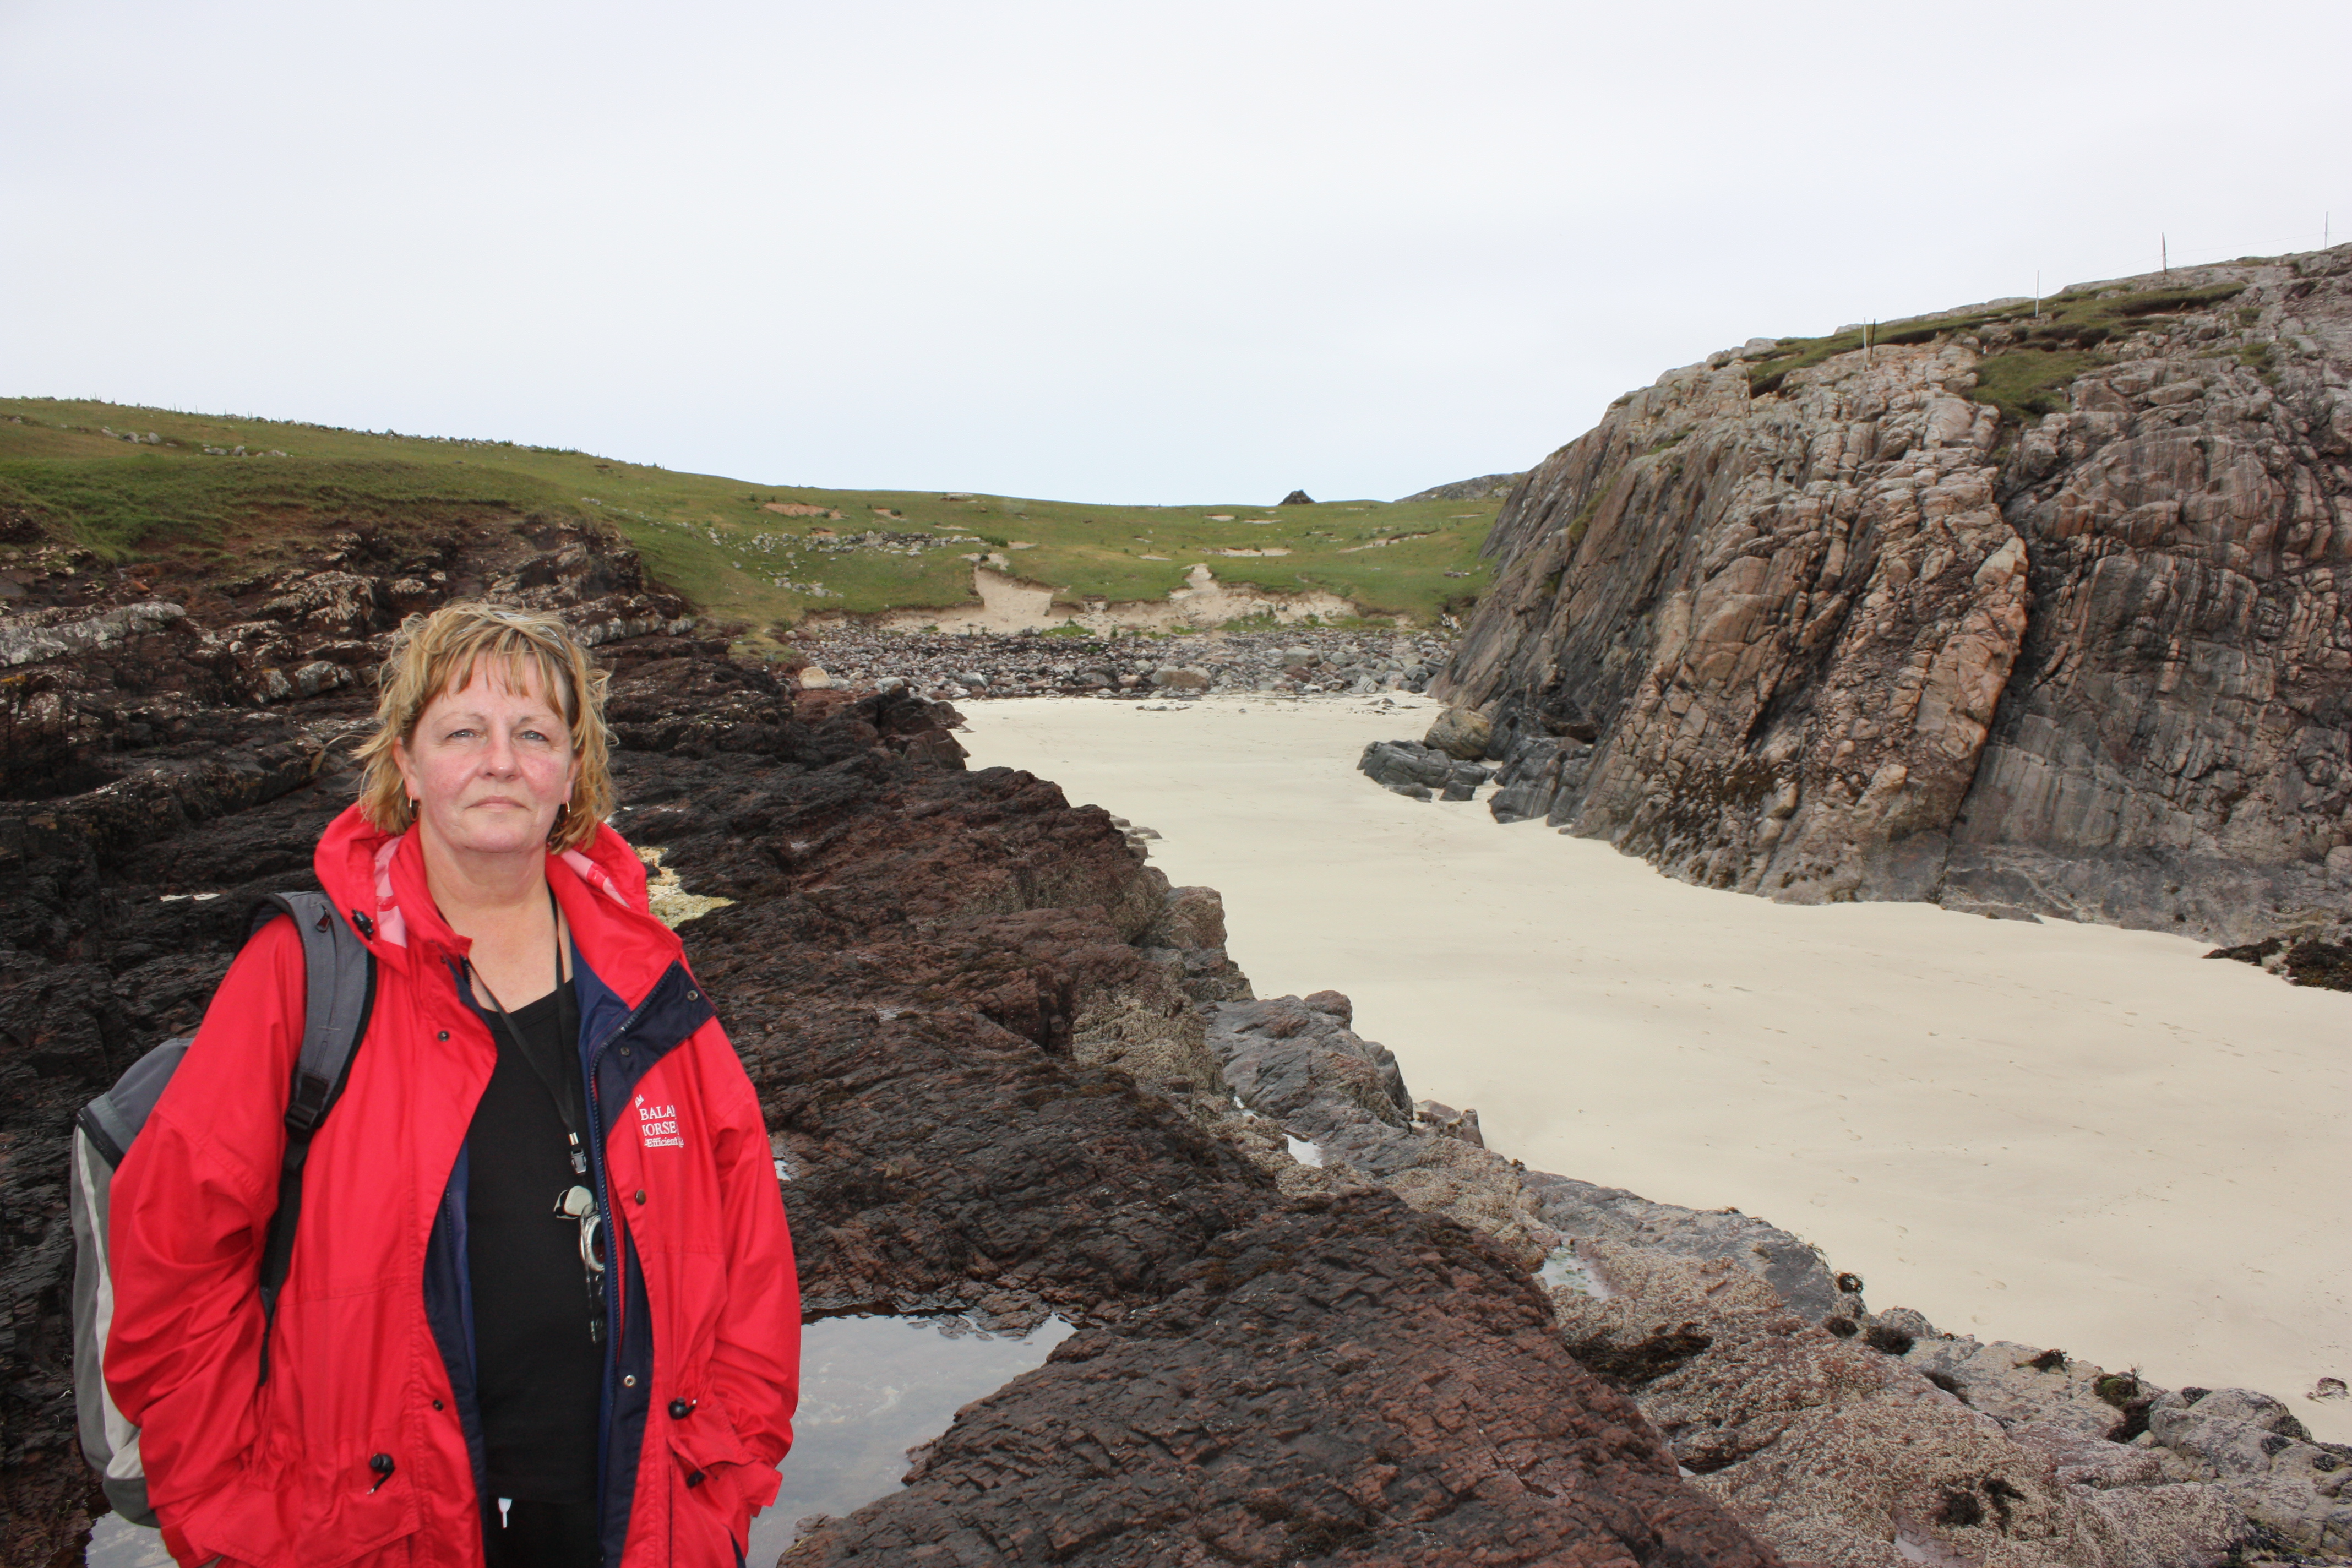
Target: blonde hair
439,652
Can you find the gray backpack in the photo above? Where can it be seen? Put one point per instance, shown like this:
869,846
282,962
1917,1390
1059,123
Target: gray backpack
340,977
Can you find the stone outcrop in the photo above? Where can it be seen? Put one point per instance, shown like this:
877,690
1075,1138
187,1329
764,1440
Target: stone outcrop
108,661
1340,1382
1297,1062
1485,487
1421,771
1461,733
1838,1452
2028,613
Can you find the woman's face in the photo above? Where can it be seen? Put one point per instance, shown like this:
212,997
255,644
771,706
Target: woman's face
488,764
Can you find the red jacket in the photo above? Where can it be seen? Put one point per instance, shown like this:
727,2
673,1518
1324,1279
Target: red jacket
371,1356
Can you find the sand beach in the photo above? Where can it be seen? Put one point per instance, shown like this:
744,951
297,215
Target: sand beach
2072,1136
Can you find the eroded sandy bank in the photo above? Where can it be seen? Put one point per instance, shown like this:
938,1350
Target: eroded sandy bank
1008,604
2071,1135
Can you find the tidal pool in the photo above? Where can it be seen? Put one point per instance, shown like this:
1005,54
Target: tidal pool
871,1388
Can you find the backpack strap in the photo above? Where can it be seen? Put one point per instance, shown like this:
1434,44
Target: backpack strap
341,975
340,989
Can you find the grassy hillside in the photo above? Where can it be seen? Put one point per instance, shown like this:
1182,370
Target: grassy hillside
757,554
2050,344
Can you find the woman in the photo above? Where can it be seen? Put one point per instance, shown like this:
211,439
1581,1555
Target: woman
542,1308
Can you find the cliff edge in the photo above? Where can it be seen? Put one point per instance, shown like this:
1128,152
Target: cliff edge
2021,608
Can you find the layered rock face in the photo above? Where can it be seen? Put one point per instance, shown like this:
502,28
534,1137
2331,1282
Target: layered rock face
102,662
1827,622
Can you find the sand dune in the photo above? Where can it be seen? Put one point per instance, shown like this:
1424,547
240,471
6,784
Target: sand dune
2067,1135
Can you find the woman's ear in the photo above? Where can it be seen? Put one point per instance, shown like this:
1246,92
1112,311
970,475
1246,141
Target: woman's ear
407,771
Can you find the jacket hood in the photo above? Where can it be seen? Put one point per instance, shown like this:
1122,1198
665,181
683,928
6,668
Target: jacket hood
381,875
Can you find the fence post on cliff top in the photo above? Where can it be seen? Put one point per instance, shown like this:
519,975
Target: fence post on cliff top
2164,254
2037,296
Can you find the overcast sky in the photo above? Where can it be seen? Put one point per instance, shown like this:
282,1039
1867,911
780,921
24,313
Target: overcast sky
1115,251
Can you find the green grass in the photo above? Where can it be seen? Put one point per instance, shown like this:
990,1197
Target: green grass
116,505
2029,383
717,540
2025,378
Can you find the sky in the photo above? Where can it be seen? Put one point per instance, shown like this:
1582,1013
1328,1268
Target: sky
1101,251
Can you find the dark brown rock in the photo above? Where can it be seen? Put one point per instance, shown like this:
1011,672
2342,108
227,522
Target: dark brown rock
1340,1382
102,662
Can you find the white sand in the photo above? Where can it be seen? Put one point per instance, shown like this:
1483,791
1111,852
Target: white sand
2065,1135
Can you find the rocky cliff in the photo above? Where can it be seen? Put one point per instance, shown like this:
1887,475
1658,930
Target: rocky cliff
2027,609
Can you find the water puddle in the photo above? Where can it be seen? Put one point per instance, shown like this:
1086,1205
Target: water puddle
1561,1267
116,1542
871,1388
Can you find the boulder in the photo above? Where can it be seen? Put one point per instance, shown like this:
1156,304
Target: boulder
2016,1382
1405,765
1535,771
1460,733
1792,1270
1448,1122
1189,917
2257,1453
1295,1059
1179,677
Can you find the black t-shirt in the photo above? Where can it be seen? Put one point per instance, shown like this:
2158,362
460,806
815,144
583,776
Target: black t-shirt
538,1372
